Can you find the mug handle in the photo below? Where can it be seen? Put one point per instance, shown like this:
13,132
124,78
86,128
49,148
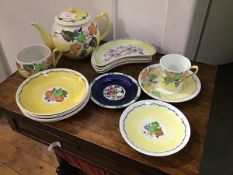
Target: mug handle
195,71
108,26
56,56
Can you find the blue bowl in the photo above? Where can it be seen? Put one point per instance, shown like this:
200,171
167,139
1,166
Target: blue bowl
114,90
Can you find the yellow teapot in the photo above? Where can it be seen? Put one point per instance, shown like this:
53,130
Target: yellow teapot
74,33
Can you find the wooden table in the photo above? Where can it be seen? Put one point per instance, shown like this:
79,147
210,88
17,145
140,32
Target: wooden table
93,134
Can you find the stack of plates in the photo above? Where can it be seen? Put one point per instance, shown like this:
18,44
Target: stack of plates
122,51
53,95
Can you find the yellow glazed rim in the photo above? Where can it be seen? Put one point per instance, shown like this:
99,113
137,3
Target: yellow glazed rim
174,124
61,117
52,107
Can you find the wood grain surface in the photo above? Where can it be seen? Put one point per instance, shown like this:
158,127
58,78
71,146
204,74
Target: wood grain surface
101,126
20,155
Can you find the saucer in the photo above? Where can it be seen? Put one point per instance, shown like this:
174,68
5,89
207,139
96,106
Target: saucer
148,81
114,90
154,128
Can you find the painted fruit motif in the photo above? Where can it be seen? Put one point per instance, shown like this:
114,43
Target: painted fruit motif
81,40
29,69
114,92
56,94
92,29
153,130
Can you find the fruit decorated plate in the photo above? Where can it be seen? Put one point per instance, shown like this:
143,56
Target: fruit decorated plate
148,81
114,90
59,116
154,128
121,49
55,119
52,92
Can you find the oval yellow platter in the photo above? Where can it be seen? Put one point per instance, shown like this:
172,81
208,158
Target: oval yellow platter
52,92
154,128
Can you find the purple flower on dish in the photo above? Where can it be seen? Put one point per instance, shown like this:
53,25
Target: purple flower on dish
122,51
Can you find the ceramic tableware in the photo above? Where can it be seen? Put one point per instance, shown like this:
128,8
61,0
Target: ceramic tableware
174,69
126,60
75,33
121,49
33,59
52,92
114,90
59,115
154,128
70,114
119,63
149,82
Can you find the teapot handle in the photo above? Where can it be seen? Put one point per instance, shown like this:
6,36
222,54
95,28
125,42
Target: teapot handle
108,26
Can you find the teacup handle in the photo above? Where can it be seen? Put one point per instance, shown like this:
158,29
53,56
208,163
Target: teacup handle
108,26
56,56
195,71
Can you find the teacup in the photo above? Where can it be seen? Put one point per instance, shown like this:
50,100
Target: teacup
174,69
33,59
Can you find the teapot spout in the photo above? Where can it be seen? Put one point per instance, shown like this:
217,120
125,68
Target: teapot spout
46,37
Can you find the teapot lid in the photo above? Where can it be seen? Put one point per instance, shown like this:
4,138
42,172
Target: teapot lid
72,17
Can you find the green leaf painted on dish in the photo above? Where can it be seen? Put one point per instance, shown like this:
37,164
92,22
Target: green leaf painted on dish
93,42
176,77
64,93
57,93
167,80
156,93
146,85
28,67
81,38
152,76
155,125
68,35
39,67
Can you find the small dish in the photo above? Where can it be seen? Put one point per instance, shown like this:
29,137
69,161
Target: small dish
154,128
121,49
114,90
149,83
52,92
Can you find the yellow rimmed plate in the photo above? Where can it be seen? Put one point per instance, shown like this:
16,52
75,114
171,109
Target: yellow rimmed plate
154,128
149,83
55,119
52,92
60,116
